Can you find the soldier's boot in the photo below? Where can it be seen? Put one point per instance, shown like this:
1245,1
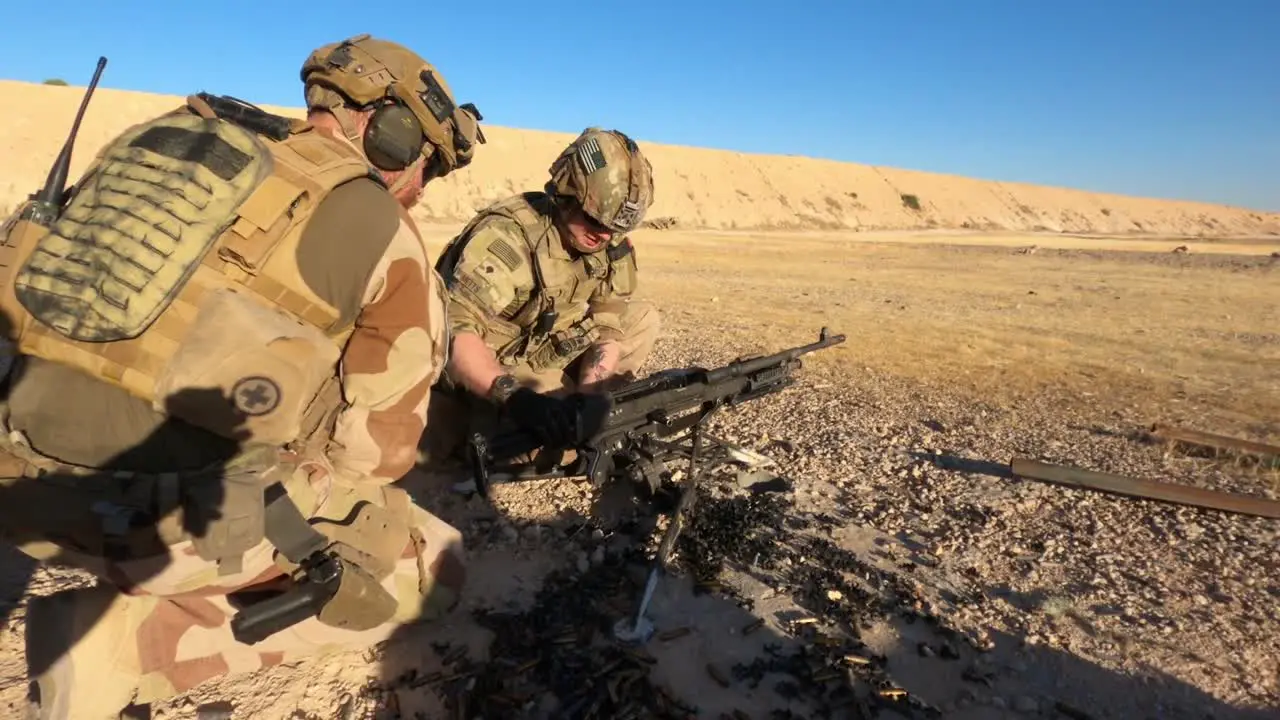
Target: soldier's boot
82,654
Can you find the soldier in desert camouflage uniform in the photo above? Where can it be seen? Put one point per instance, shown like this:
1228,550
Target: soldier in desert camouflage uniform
265,315
540,295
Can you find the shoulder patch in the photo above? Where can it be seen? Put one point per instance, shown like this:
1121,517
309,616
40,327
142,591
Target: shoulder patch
492,272
502,250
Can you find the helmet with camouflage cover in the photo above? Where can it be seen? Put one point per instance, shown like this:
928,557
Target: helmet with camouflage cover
605,172
415,110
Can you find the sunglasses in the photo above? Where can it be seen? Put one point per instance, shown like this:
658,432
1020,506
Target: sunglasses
594,225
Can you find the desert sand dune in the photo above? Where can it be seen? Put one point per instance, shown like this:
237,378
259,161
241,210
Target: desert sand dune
700,188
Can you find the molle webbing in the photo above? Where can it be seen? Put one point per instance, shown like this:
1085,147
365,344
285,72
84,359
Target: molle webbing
123,249
173,210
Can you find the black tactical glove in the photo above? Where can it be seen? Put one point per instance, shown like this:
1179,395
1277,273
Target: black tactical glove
551,420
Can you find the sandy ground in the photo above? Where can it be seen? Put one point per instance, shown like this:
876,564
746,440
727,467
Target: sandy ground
978,594
700,188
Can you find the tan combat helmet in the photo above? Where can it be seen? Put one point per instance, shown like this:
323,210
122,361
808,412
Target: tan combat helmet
607,174
366,72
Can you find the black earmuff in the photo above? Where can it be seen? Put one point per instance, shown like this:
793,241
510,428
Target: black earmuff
394,137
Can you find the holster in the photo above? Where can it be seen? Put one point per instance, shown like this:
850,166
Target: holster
224,511
366,537
360,602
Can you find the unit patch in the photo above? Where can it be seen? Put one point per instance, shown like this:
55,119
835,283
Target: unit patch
255,395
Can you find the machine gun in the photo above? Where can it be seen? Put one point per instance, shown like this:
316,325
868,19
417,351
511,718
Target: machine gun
631,433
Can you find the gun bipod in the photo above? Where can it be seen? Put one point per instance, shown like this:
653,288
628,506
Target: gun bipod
640,627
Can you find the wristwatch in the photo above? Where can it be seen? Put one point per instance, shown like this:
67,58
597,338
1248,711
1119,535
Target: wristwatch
502,388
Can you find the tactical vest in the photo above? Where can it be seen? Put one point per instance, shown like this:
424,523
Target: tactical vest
171,272
550,327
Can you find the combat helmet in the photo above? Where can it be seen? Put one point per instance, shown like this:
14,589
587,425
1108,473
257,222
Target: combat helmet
605,172
366,72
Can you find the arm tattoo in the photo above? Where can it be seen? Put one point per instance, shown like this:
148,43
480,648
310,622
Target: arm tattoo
593,360
598,363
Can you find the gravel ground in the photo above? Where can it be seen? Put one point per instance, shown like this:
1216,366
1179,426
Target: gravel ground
927,582
1124,607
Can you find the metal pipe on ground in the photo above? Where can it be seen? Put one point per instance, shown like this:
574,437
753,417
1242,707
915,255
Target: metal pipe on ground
1148,489
1211,440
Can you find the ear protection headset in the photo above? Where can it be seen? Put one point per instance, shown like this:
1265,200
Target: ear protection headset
393,138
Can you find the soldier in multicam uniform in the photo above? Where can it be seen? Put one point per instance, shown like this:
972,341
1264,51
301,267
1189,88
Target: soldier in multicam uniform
236,318
540,296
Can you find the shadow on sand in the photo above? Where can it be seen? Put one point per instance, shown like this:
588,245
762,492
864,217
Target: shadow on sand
768,613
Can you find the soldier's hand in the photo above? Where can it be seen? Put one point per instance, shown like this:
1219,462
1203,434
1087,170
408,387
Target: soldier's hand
549,419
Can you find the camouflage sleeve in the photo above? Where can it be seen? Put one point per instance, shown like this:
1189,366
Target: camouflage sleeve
393,357
492,275
608,303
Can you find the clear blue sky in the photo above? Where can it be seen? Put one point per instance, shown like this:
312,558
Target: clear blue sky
1163,98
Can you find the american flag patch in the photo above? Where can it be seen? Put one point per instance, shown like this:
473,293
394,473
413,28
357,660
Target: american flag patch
591,156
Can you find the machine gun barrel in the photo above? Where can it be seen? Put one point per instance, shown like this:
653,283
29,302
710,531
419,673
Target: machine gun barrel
754,365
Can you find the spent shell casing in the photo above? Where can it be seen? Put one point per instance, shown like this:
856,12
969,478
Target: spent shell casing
825,675
674,633
717,675
894,693
606,669
641,655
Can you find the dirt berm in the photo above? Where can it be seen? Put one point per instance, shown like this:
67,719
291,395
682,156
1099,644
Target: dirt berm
695,187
